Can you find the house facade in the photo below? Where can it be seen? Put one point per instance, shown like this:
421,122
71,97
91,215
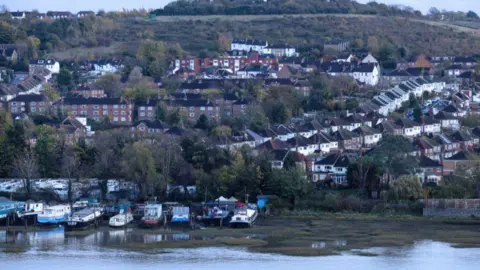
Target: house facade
37,104
35,64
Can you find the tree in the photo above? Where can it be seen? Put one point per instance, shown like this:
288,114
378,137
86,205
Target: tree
405,188
393,155
472,15
135,76
203,123
166,158
64,80
363,173
288,184
138,166
25,168
111,84
373,45
384,53
417,114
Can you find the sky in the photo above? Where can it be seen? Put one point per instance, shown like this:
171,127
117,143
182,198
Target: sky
108,5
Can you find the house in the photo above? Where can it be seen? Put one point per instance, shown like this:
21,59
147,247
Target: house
465,61
273,144
369,59
116,110
175,132
447,120
149,127
252,71
280,158
147,110
430,125
409,127
431,171
280,50
397,76
355,121
35,64
82,14
236,141
391,128
18,15
461,101
343,58
449,146
248,45
29,104
106,66
75,128
239,107
455,111
89,91
347,140
467,140
334,167
56,15
325,143
283,132
421,62
337,45
337,124
194,108
454,70
10,54
369,137
302,145
429,147
462,161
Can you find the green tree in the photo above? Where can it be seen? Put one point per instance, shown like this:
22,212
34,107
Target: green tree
138,165
405,188
64,80
111,84
417,114
289,184
203,123
472,15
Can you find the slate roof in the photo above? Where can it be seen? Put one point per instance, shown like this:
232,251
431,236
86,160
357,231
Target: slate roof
426,162
321,138
344,135
241,102
450,109
399,73
364,68
366,131
299,141
463,155
100,101
189,103
185,96
406,123
444,116
175,131
42,62
254,42
274,144
157,124
28,98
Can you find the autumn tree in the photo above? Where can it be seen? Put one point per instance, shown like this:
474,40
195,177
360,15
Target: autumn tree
26,169
111,84
138,166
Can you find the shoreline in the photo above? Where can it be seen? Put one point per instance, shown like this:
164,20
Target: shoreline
327,235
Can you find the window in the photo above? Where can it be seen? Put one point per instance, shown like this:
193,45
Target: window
202,108
243,106
210,108
83,113
124,106
74,106
42,103
105,112
115,113
14,109
95,107
142,108
115,106
338,169
192,108
141,128
123,113
33,109
328,168
83,106
105,106
192,114
124,119
95,113
150,114
150,108
33,103
142,114
115,119
74,113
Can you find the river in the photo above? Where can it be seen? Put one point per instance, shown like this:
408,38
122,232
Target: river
53,250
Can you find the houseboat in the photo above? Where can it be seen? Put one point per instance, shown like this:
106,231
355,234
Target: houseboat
8,208
153,215
217,215
53,215
121,220
244,216
84,219
180,214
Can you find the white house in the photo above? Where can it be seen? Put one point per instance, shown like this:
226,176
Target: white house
367,73
409,127
333,166
448,121
302,145
19,15
431,125
107,66
248,45
325,143
283,132
369,136
51,65
280,50
369,59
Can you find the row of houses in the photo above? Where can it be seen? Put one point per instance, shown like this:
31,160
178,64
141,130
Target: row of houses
263,47
55,15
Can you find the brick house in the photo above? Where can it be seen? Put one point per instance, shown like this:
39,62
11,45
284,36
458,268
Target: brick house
149,127
463,161
466,139
428,147
369,136
193,109
449,146
147,110
347,140
29,104
239,107
89,91
431,171
74,129
118,111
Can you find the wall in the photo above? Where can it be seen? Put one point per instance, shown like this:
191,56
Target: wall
452,208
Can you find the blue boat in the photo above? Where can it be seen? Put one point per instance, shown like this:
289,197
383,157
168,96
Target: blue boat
53,215
180,214
8,207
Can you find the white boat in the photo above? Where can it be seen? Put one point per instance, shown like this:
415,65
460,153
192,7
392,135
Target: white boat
84,219
54,214
120,220
152,216
244,216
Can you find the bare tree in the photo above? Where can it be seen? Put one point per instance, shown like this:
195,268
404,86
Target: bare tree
70,168
25,168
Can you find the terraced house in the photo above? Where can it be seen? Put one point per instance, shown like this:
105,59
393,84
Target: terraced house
193,109
117,110
38,104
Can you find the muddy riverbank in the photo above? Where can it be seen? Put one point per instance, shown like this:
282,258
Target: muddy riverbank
297,236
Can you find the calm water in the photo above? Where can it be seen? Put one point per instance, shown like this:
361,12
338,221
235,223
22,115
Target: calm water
52,250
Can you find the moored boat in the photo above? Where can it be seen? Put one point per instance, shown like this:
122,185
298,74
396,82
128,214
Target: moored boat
52,215
215,216
120,220
244,216
180,214
153,215
84,219
9,208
